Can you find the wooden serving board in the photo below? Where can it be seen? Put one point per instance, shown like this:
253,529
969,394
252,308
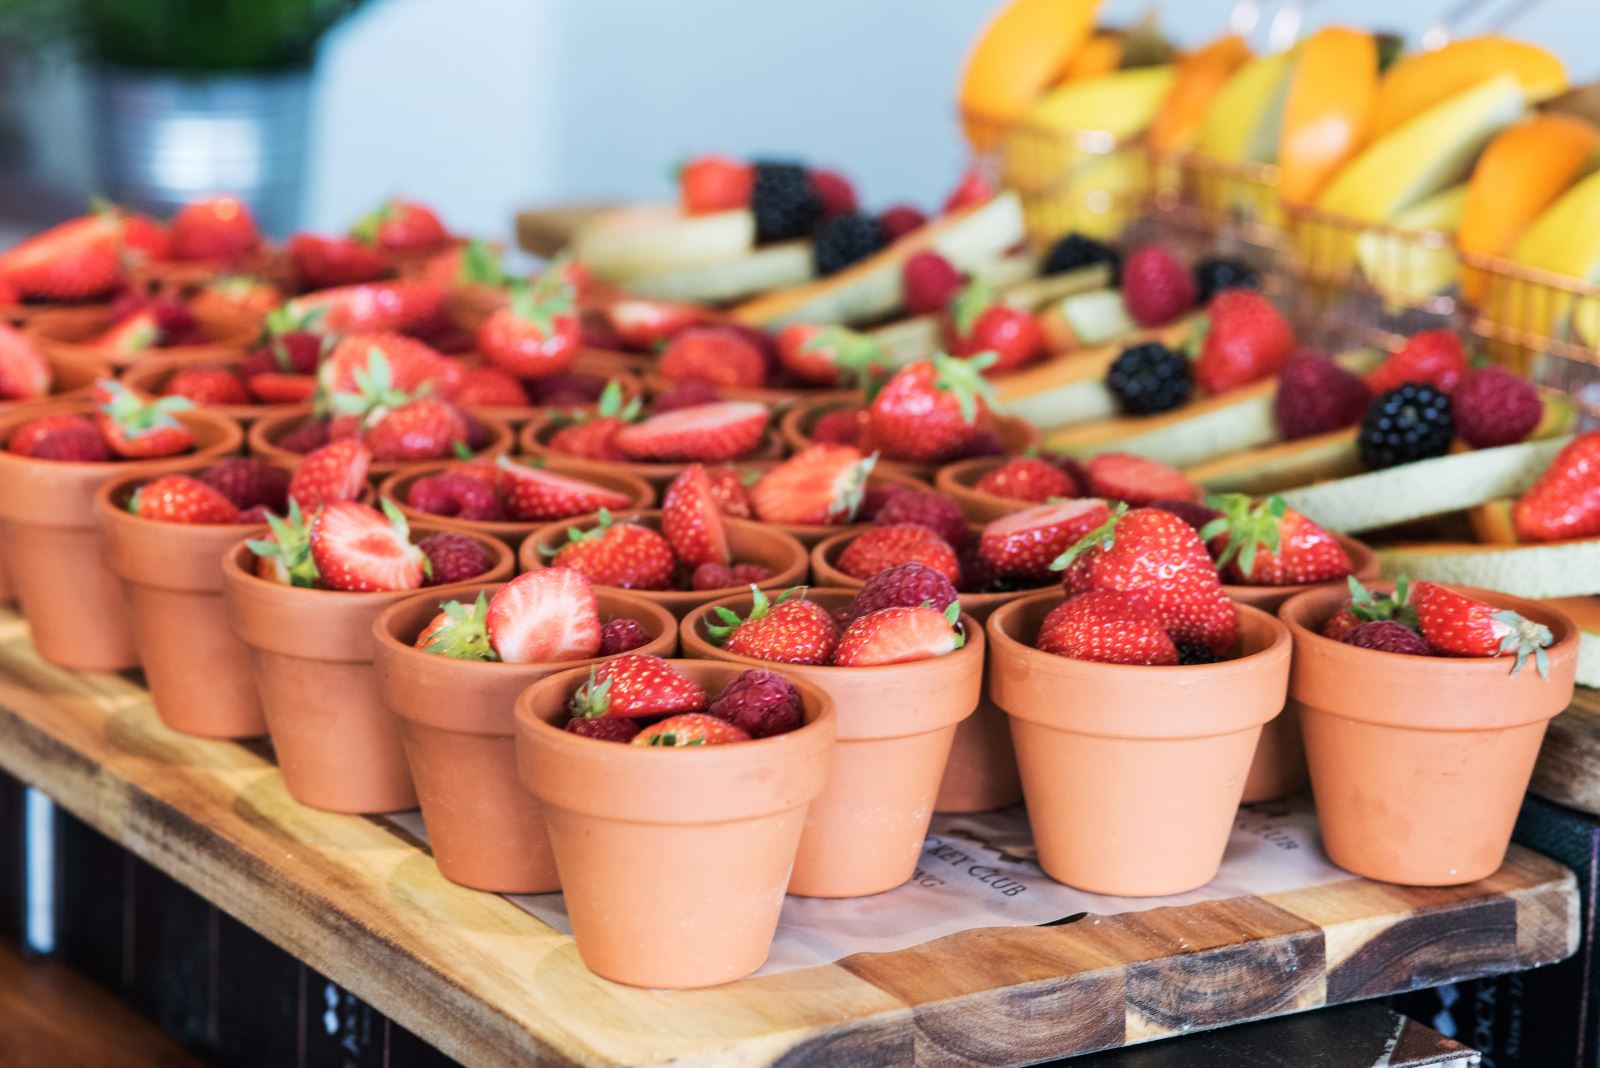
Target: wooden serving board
488,984
1568,771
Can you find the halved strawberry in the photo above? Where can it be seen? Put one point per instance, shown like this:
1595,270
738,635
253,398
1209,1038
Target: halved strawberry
1024,544
532,493
690,729
545,616
75,260
691,519
820,484
361,549
276,387
1118,476
899,635
23,370
129,335
707,432
636,684
374,307
644,324
335,472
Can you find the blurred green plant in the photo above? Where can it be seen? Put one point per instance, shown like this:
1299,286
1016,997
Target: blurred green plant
178,35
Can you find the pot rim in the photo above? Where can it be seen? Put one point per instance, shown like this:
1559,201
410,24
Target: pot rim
262,438
518,528
232,438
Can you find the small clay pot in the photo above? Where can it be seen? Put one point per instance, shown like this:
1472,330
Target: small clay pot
1419,763
311,652
184,278
536,433
749,543
1279,768
21,315
197,671
809,534
67,337
1133,774
1018,434
265,431
958,481
457,724
50,538
712,830
864,834
397,487
149,376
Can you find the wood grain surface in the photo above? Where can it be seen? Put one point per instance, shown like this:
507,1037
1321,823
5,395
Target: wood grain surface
1568,771
491,985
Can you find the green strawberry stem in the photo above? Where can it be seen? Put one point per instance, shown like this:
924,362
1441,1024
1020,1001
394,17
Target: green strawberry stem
1250,525
466,635
481,265
965,379
291,545
1103,536
591,700
760,605
1526,638
975,298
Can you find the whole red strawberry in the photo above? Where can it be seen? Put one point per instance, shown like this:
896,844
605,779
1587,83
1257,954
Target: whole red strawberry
1107,626
75,260
401,226
1246,340
689,729
828,355
979,322
1267,543
319,262
685,394
181,499
593,435
636,684
877,548
24,372
489,387
374,307
1563,502
335,472
929,409
760,703
622,554
713,183
207,384
1028,478
714,354
930,283
691,519
217,228
1156,288
1435,357
790,630
840,426
537,333
65,436
423,429
1458,625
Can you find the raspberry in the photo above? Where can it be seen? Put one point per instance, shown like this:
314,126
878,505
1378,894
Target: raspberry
248,481
842,426
1156,288
457,495
1387,636
1194,513
1195,653
712,576
744,574
900,220
604,728
930,282
308,436
761,703
938,513
1316,395
1495,407
78,444
454,558
621,635
256,514
985,442
876,496
844,240
685,394
903,586
834,190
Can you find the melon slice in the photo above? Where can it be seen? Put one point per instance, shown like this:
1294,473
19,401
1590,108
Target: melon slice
1083,320
646,239
770,267
1548,569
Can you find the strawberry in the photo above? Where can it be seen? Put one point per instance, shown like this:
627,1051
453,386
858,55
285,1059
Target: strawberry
1118,476
819,485
1156,288
401,226
217,228
489,387
145,240
424,429
532,493
319,262
690,729
593,435
397,306
389,362
181,499
284,555
207,384
459,632
1458,625
973,189
1246,339
729,487
1108,627
537,333
714,183
1564,501
65,436
636,684
930,282
356,547
335,472
129,335
691,520
685,394
290,346
24,374
900,635
979,323
708,432
1160,558
645,324
137,428
713,354
790,630
1267,543
1024,544
834,192
549,614
1435,357
930,408
605,729
1028,478
275,388
828,355
626,555
76,260
878,548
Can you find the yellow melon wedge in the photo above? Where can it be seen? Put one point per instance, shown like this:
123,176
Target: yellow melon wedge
769,267
1551,569
646,239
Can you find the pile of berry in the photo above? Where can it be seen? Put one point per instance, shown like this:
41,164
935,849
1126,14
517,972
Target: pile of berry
643,700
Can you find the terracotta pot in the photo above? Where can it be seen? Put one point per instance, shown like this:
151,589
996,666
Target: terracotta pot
601,371
184,278
1018,434
712,831
311,652
66,337
617,361
750,543
149,376
456,721
957,480
1132,774
1279,768
864,834
398,486
536,434
264,433
20,315
471,304
1419,763
197,671
809,534
49,535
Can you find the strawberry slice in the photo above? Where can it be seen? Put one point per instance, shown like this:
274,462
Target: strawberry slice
532,493
636,684
707,432
373,307
691,518
73,261
644,324
1118,476
899,635
276,387
23,371
335,472
821,484
1024,544
544,616
358,548
689,729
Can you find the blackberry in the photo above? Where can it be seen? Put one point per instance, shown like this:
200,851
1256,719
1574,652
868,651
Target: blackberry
1213,275
1149,378
1409,422
1195,653
846,239
1076,250
785,205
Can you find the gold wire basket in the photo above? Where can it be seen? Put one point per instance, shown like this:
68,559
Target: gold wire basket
1546,324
